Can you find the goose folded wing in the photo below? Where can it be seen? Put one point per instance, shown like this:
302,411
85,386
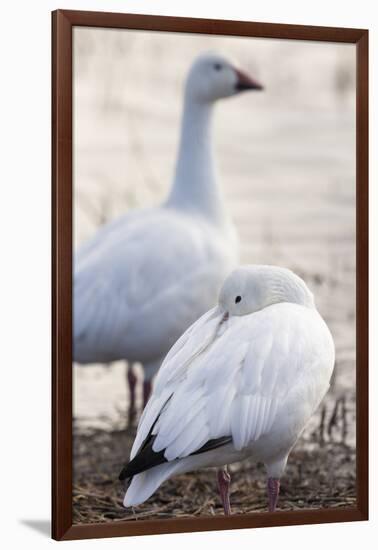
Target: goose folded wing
227,393
174,371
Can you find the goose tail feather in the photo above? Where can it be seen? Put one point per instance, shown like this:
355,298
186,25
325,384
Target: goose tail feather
143,485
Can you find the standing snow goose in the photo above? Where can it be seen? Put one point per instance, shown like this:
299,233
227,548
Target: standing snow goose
144,278
241,382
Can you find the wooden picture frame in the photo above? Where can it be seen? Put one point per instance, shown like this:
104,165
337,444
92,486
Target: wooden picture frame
62,26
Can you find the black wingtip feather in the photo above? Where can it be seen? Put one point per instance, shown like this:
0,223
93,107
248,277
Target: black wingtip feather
144,460
147,458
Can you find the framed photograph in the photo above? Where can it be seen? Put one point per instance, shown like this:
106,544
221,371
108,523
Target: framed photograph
210,274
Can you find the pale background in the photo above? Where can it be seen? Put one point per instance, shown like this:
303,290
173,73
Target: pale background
26,135
286,159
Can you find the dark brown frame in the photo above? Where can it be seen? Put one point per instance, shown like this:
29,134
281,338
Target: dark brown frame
62,23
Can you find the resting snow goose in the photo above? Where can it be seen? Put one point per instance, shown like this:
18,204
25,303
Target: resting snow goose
241,382
144,278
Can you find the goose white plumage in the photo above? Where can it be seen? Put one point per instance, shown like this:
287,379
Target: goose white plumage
241,382
144,278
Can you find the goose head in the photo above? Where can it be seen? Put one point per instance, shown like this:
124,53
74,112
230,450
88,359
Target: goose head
214,77
251,288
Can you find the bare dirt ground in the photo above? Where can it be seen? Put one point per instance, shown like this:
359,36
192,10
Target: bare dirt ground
320,473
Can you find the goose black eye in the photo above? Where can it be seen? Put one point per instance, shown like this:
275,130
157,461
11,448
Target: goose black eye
237,299
217,66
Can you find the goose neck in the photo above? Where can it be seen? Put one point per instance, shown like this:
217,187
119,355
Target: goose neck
195,186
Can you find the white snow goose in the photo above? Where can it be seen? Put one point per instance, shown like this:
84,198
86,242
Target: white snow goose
144,278
241,382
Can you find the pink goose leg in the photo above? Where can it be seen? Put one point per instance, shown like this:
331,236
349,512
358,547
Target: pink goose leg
147,388
132,382
273,492
224,480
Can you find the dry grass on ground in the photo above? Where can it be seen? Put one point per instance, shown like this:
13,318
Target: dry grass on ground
318,475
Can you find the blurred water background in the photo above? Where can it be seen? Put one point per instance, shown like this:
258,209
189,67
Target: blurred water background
286,162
